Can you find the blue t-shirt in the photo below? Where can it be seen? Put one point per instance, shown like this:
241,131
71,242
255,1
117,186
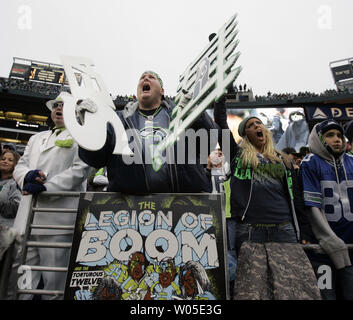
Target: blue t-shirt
330,192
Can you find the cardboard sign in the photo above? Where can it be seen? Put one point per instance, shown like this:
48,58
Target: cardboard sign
206,79
86,83
148,247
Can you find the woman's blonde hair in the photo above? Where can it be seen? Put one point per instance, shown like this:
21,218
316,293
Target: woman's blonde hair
249,153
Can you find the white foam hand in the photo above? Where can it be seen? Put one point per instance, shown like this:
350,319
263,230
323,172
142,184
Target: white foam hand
85,105
184,100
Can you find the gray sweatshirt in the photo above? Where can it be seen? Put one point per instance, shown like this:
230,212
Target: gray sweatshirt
10,196
295,136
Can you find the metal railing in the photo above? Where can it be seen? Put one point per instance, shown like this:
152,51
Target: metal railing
27,242
317,249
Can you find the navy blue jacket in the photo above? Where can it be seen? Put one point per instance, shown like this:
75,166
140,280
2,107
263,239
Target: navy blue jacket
132,178
241,189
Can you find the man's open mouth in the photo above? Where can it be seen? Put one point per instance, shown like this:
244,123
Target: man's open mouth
59,114
146,88
260,134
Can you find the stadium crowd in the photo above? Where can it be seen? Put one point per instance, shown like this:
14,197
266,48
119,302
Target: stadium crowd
300,95
33,87
278,200
49,89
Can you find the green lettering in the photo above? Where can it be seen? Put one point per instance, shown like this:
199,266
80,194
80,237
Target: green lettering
290,184
248,174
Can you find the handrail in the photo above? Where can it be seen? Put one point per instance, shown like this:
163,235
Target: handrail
65,245
27,243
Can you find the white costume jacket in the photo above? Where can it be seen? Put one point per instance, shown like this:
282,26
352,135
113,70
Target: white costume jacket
56,154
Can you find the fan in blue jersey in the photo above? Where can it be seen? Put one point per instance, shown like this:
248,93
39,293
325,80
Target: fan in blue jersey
327,175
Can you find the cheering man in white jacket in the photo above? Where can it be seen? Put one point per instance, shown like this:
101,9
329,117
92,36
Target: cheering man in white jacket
50,163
